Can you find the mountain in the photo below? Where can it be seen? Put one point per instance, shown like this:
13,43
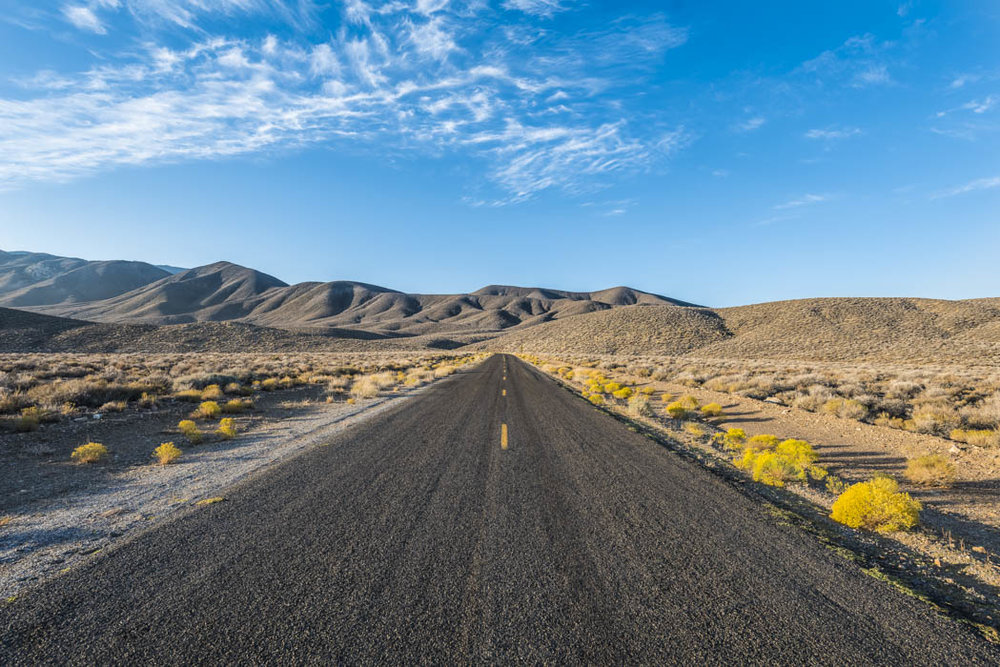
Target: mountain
228,292
38,279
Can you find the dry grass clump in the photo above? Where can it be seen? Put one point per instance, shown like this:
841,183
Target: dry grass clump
977,437
638,406
876,505
167,453
113,406
365,387
29,420
92,452
930,470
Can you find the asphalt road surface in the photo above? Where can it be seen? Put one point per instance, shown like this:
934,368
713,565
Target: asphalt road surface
420,536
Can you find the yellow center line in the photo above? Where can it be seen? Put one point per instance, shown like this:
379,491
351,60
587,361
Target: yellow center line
504,392
503,436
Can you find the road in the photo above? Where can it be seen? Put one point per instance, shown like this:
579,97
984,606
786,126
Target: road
419,536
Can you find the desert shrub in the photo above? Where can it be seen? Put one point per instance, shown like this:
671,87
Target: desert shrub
147,400
167,453
799,452
734,438
775,469
29,420
762,442
624,393
930,470
935,420
365,387
596,399
677,410
977,437
638,406
667,397
846,408
236,406
190,431
212,392
92,452
227,428
689,402
444,371
611,387
648,391
188,395
876,505
208,410
711,410
113,406
694,429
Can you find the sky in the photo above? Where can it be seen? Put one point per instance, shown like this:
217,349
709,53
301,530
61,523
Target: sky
722,153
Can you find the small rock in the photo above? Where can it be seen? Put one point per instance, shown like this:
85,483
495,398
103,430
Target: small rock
98,415
955,449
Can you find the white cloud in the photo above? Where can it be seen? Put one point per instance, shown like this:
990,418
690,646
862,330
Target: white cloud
972,186
84,18
804,200
544,8
830,134
393,80
432,39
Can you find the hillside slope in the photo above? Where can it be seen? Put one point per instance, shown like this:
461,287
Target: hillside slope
38,279
901,330
639,329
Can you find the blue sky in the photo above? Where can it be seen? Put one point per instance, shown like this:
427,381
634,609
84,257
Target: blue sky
723,153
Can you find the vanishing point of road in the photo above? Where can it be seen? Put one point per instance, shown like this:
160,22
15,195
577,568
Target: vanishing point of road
494,518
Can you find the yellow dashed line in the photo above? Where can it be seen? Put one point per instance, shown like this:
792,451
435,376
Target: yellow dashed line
503,436
504,393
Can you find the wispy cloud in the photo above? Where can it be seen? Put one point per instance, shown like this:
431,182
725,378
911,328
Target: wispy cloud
544,8
84,18
750,124
833,134
804,200
971,186
859,62
395,78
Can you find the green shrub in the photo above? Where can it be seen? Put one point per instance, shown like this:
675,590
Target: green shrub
596,399
876,505
677,410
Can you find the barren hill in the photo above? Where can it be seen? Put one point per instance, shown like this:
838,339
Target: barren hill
38,279
626,330
831,329
227,292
